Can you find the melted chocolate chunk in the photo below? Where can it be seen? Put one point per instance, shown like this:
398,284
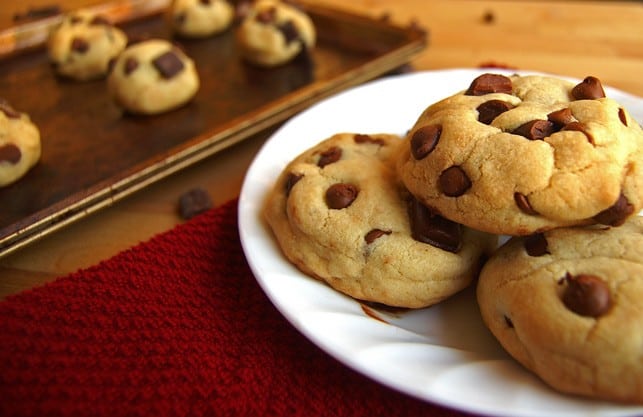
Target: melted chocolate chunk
586,295
79,45
100,20
10,153
291,180
429,227
8,111
205,2
589,89
508,322
536,245
560,118
168,64
617,213
622,116
491,109
130,65
523,204
194,202
340,196
266,16
454,181
329,156
489,83
290,32
424,140
579,127
361,138
535,129
375,234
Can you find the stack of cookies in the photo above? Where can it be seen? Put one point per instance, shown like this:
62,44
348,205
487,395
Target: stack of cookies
556,166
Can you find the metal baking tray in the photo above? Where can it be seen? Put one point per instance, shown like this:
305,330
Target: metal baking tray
93,154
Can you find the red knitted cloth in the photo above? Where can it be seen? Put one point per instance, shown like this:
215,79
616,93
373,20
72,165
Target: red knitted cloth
176,326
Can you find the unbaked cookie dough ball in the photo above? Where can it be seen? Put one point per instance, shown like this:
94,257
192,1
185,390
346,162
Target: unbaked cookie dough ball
152,77
200,18
19,144
273,33
83,45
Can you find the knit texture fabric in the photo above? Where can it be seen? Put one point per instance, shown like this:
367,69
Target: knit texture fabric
176,326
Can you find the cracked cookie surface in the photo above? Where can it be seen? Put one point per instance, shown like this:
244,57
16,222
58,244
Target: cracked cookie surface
566,304
520,154
340,215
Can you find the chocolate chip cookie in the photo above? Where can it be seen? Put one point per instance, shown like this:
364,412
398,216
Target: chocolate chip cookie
519,154
19,144
566,304
200,18
83,45
340,215
273,33
152,77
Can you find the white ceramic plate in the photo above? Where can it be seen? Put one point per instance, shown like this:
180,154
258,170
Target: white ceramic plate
442,354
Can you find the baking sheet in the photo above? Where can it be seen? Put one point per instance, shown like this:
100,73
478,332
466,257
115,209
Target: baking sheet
95,154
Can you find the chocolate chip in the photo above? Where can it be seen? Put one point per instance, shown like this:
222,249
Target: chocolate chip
168,64
340,196
289,30
329,156
205,2
429,227
10,153
508,322
375,234
536,245
523,204
454,181
361,138
622,116
589,89
8,111
424,140
100,20
579,127
489,83
130,65
535,129
75,19
491,109
266,15
617,213
291,180
79,45
560,118
193,202
587,295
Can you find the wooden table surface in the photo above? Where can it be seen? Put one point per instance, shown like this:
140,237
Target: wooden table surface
573,38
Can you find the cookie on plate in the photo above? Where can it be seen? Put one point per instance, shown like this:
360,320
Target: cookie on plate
200,18
566,304
83,45
152,77
340,215
273,33
19,144
519,154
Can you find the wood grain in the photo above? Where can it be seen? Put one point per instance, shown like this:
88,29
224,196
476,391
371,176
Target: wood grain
573,38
